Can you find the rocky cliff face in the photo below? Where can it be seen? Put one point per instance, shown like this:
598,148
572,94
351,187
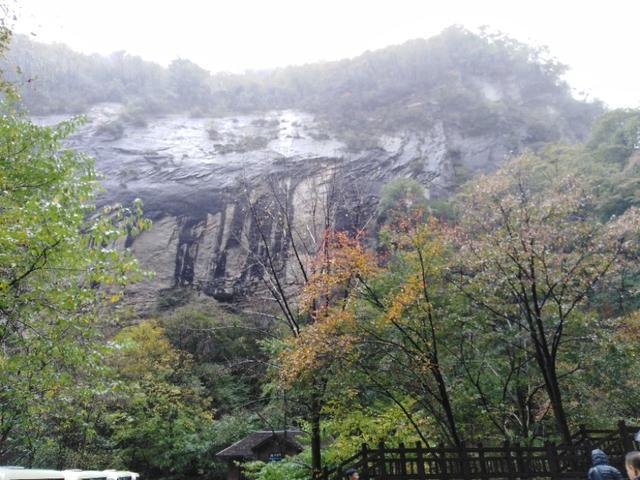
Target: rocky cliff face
190,173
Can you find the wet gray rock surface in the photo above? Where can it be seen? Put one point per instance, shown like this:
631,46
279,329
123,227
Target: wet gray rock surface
189,172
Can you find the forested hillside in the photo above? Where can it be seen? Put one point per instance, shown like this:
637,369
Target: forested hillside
435,242
480,81
511,315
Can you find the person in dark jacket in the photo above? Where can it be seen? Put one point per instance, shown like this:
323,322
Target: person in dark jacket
352,474
601,469
632,463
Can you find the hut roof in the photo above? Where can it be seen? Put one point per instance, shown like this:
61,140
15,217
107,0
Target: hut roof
247,447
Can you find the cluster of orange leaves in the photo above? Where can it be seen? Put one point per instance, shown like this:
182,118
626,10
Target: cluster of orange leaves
341,261
407,296
319,346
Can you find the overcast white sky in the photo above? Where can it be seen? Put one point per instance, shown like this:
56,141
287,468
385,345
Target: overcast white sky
598,39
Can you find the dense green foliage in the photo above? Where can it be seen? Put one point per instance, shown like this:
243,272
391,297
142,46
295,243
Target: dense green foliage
513,317
159,416
59,272
295,468
186,385
473,81
509,312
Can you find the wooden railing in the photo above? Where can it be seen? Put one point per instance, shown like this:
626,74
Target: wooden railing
509,461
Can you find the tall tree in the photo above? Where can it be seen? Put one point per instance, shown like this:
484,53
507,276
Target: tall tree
60,270
531,254
295,226
385,317
405,340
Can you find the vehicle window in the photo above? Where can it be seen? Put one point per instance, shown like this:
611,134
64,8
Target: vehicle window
124,478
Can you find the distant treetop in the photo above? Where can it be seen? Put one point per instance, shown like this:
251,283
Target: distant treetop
472,80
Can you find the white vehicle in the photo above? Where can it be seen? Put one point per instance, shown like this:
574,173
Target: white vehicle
99,475
84,475
117,475
19,473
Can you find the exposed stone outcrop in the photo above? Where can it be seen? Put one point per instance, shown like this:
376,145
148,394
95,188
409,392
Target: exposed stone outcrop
189,172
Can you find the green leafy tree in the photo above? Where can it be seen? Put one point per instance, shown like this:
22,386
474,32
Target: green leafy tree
225,350
406,335
160,417
530,255
60,271
615,136
402,198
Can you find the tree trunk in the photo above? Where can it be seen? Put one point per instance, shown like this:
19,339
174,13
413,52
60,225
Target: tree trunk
556,402
547,366
316,458
446,404
546,360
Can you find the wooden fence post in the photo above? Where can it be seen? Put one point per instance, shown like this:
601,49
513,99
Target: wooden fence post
403,461
552,458
627,442
465,462
506,447
420,460
521,469
365,462
382,469
442,461
482,460
588,443
587,446
584,434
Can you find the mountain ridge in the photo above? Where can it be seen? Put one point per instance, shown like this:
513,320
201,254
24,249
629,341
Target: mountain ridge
191,145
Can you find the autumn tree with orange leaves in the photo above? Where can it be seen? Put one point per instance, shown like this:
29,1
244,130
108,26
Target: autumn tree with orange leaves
310,277
480,326
383,318
402,339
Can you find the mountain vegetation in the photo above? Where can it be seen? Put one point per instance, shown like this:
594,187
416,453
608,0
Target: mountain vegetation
476,81
510,311
513,317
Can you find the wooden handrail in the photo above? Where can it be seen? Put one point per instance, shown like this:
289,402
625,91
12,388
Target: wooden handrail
509,461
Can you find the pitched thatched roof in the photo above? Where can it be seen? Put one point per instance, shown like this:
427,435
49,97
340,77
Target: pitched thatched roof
247,447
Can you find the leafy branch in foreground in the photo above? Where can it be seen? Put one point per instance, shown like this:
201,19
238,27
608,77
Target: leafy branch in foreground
61,270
